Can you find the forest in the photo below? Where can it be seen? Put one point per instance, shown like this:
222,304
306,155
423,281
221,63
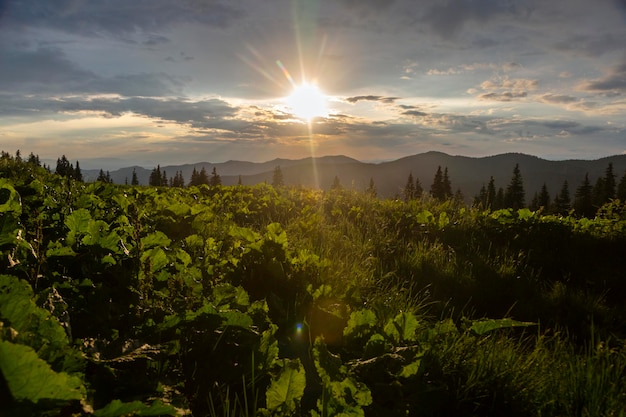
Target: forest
274,300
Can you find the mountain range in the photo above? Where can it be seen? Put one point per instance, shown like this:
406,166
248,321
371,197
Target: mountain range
467,174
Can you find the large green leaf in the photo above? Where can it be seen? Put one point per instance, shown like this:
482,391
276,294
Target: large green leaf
30,378
276,234
33,324
9,199
402,328
78,221
360,323
286,391
156,239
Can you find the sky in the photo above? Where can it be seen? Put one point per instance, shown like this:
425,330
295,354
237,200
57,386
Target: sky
115,83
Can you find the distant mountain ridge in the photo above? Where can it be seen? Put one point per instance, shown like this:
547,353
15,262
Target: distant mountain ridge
467,174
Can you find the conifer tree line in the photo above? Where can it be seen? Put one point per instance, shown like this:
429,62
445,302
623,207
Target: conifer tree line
159,178
584,200
441,188
587,199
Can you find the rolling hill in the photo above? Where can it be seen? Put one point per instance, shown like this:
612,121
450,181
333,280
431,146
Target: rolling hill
467,174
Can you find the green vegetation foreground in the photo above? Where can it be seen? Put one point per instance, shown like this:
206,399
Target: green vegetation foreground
274,301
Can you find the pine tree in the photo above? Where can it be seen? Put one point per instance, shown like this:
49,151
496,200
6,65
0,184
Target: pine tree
78,175
437,189
621,189
194,180
409,188
336,184
215,178
480,200
583,199
34,159
491,193
203,177
498,202
134,180
277,179
598,194
543,199
156,178
562,202
64,168
371,189
609,183
164,179
239,181
418,190
101,176
515,196
178,180
446,184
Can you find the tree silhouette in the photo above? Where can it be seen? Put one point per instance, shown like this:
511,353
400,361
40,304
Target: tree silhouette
156,177
277,178
215,178
106,178
621,189
371,189
134,180
336,185
515,197
498,203
609,183
409,188
78,175
598,194
446,185
178,180
437,189
64,167
583,199
541,199
562,202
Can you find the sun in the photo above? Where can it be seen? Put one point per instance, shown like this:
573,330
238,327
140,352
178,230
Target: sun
307,101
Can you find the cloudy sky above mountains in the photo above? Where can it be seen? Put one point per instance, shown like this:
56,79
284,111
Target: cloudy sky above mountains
115,83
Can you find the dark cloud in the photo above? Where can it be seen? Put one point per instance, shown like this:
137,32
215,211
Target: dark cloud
561,124
47,70
415,113
558,99
615,80
118,17
591,45
506,96
382,99
447,18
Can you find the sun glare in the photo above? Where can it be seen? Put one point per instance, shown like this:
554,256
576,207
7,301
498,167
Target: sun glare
307,102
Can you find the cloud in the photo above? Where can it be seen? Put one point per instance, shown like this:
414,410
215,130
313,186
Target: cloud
47,70
614,81
518,84
592,45
118,18
557,99
448,18
505,89
382,99
507,96
415,113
